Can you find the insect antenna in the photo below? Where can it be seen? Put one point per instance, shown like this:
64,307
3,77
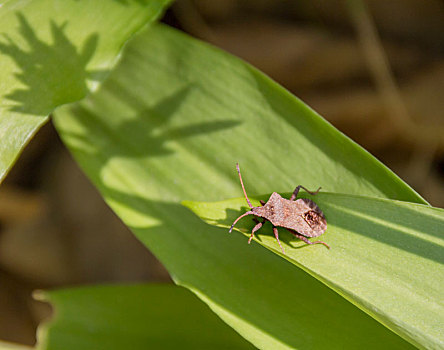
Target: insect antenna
240,217
242,184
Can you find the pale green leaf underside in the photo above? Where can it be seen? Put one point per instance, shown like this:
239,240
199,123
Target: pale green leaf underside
386,256
168,125
133,317
54,52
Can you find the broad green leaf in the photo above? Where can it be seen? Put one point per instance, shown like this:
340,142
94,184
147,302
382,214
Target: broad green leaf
54,52
133,317
386,256
169,125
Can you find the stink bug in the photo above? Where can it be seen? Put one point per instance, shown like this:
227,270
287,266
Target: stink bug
301,217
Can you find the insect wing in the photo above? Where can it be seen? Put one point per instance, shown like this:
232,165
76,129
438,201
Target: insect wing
307,218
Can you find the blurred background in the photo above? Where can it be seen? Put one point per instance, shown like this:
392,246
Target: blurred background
374,69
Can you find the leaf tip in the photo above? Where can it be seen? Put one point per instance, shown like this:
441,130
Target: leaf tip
188,204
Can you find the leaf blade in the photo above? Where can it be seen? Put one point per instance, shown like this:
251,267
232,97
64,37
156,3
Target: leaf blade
394,249
53,53
169,124
136,316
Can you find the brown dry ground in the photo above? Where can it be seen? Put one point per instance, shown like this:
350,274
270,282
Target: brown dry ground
376,74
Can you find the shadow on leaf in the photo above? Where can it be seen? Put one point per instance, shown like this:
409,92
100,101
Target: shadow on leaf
55,70
150,128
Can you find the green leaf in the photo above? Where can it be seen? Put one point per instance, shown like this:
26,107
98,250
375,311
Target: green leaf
168,125
55,52
133,317
386,256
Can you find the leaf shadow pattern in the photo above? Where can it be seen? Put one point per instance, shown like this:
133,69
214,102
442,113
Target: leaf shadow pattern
203,257
54,70
150,128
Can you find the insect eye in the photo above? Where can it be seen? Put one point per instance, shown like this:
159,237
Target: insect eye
311,217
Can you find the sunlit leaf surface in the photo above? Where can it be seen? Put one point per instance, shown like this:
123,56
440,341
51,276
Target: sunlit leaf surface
169,125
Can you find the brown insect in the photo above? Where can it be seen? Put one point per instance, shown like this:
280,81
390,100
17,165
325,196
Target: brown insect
301,217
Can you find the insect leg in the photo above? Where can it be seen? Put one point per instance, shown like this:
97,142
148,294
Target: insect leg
240,217
276,234
255,228
296,191
305,239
